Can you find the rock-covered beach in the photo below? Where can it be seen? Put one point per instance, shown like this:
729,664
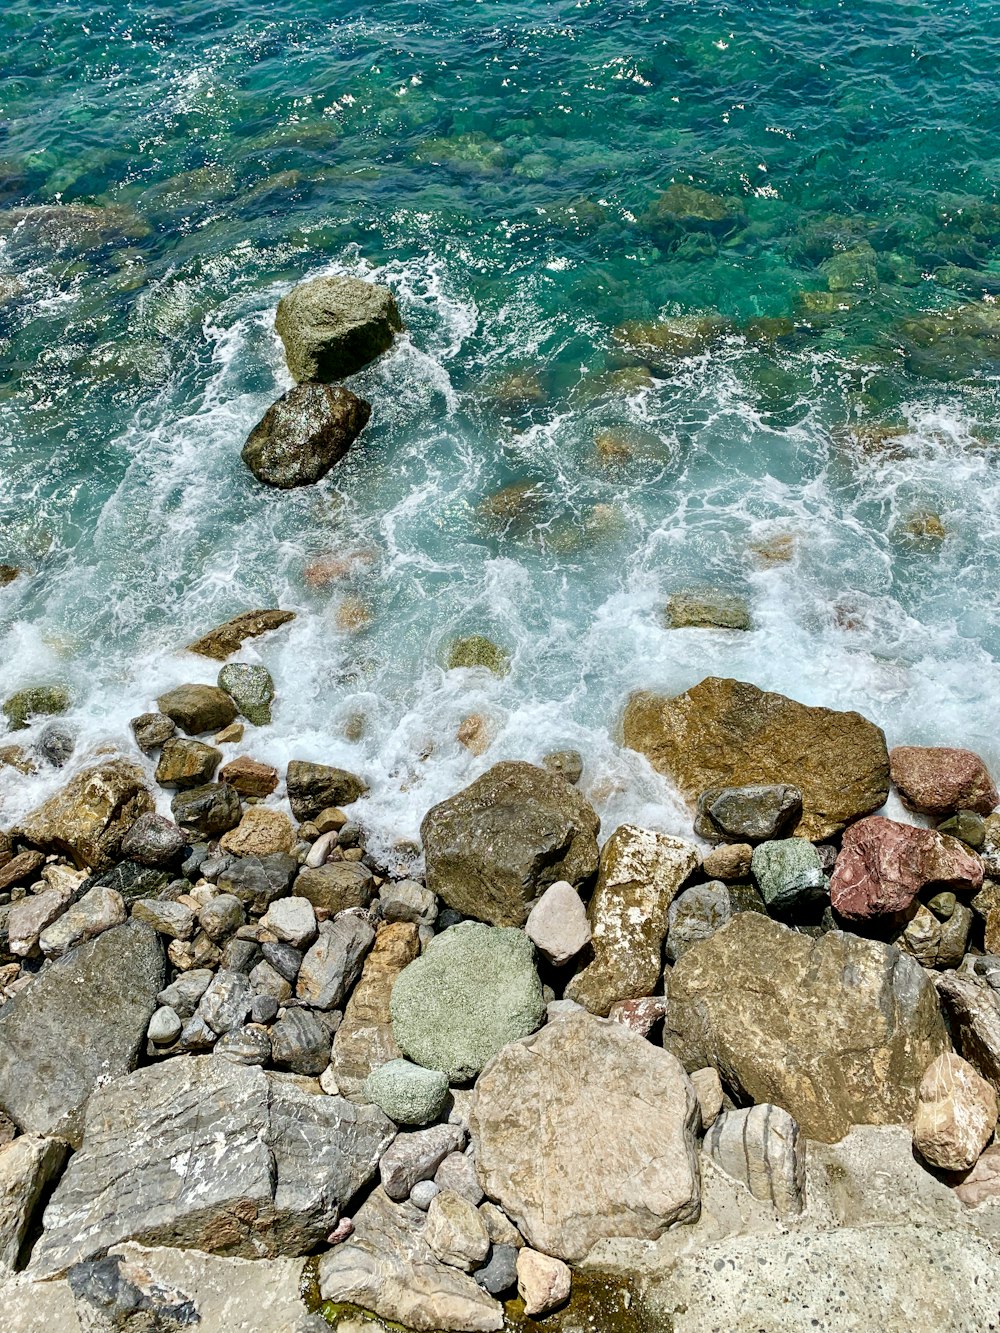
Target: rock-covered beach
556,1076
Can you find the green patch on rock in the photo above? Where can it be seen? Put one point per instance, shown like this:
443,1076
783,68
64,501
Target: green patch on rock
251,689
476,650
35,701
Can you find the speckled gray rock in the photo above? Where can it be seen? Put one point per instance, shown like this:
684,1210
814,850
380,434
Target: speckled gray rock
334,962
789,875
151,730
221,917
407,1093
406,900
499,1276
78,1022
416,1156
695,914
748,814
153,840
251,688
183,994
458,1173
760,1146
472,991
265,1165
207,811
258,880
332,327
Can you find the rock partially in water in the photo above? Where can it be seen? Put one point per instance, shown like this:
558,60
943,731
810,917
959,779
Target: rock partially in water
682,207
56,744
249,777
35,701
477,651
88,818
198,708
224,640
710,609
333,327
251,688
313,788
940,780
304,433
662,343
151,730
185,763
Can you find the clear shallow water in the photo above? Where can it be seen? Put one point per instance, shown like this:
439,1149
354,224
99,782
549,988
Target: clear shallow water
500,173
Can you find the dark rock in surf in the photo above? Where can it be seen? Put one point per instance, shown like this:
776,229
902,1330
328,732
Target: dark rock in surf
302,435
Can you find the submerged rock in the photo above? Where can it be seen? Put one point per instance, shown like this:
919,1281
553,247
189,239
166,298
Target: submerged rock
333,327
725,733
682,207
302,434
88,818
35,701
711,609
224,640
478,651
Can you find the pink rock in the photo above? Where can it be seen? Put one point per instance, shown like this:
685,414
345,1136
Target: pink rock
343,1229
983,1181
883,865
937,780
639,1015
543,1283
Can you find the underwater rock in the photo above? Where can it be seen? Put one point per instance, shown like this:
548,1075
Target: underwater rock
476,650
710,609
224,640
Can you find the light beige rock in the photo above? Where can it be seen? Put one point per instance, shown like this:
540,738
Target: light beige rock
708,1089
557,925
260,832
30,1306
88,818
27,1165
760,1147
500,1229
455,1231
728,862
364,1040
956,1114
97,911
640,875
586,1130
29,917
974,1011
543,1283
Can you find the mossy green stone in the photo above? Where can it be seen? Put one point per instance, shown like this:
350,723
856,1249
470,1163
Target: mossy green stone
35,701
407,1093
478,651
250,688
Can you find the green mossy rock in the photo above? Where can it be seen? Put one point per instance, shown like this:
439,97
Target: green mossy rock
251,689
478,651
407,1093
332,327
35,701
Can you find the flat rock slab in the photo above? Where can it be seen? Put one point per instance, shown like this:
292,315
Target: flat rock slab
726,733
838,1030
586,1131
78,1023
224,640
205,1154
387,1267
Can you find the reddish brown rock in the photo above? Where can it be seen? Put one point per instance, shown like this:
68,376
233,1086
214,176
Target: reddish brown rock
249,777
983,1181
938,780
883,865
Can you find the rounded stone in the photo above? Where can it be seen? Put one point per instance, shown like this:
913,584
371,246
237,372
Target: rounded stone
164,1026
473,990
407,1093
422,1194
789,874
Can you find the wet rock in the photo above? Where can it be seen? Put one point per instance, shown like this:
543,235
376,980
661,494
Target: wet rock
87,819
332,327
938,780
56,744
266,1165
334,962
974,1014
364,1040
416,1156
543,1283
837,1030
472,991
477,650
956,1114
387,1267
77,1023
231,735
186,763
557,925
661,343
304,433
257,880
748,814
249,777
251,689
640,875
301,1039
261,832
789,875
761,1148
207,811
687,208
967,827
28,1165
154,841
586,1130
725,733
97,911
151,730
224,640
167,918
336,886
883,865
23,706
198,708
566,764
406,1092
710,609
495,846
313,788
455,1231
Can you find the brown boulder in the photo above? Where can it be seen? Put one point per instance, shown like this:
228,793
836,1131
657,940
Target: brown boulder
939,780
726,733
315,787
224,640
198,708
838,1030
249,776
88,818
883,865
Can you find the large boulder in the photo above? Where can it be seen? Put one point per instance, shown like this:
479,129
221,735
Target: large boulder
224,640
302,434
883,865
493,848
836,1030
332,327
87,819
364,1040
472,991
640,875
316,787
387,1267
198,708
940,780
586,1131
726,733
78,1023
205,1154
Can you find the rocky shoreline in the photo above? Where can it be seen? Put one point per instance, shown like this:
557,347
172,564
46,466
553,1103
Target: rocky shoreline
251,1078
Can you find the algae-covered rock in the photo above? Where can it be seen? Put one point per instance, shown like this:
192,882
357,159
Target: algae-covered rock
663,342
789,874
88,818
332,327
477,650
313,788
684,207
407,1093
35,701
472,991
251,688
224,640
302,434
711,608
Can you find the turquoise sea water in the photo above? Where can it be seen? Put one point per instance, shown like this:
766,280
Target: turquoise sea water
824,445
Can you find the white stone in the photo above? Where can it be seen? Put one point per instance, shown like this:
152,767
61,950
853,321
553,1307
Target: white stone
543,1283
292,920
557,925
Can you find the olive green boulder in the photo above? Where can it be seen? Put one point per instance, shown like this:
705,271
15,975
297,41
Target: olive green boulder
35,701
251,689
332,327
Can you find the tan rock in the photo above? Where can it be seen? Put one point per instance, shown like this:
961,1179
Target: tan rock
956,1114
88,818
29,917
708,1089
586,1130
543,1283
973,1010
231,735
729,862
27,1165
260,832
640,875
725,733
455,1231
475,733
224,640
364,1040
836,1030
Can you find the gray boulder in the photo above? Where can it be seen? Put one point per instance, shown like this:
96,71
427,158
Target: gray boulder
494,848
153,840
334,962
748,814
313,788
28,1165
302,434
79,1022
333,327
207,811
206,1154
